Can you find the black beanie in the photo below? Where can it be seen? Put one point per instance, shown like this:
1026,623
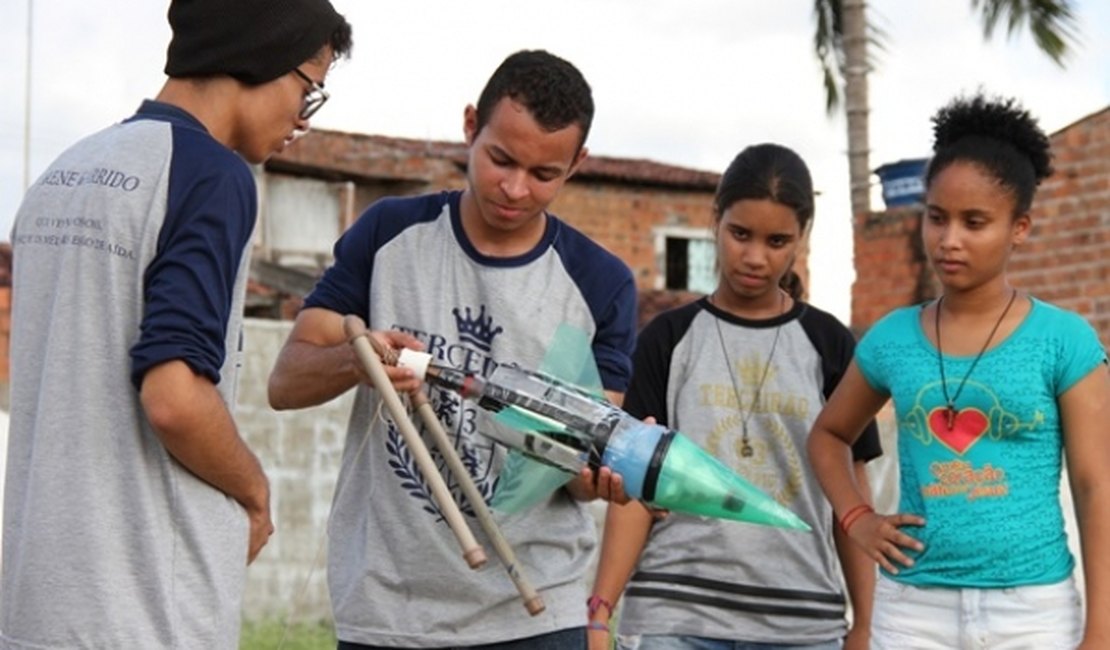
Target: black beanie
254,41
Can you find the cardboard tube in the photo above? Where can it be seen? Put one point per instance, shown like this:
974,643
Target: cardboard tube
356,332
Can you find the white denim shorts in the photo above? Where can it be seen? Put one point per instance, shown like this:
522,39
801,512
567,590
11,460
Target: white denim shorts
1041,617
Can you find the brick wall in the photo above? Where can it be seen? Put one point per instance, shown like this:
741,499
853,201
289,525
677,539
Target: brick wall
1066,260
623,219
891,268
620,203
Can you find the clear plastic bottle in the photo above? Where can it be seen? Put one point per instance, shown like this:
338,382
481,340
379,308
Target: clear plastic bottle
659,466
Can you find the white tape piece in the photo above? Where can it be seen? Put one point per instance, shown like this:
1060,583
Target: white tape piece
416,361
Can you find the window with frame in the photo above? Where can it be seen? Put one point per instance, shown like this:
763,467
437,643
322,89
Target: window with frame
688,260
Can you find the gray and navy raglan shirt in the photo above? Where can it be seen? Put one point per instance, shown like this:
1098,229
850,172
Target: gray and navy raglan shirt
725,579
129,251
395,571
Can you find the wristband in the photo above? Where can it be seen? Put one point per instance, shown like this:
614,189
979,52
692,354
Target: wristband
597,625
852,515
594,603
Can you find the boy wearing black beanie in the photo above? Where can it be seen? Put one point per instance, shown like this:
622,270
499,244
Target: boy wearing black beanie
133,505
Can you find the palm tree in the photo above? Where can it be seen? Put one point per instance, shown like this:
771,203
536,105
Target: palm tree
841,40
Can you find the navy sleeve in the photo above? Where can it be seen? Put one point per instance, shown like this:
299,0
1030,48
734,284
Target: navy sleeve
616,337
835,345
609,290
345,286
651,363
188,288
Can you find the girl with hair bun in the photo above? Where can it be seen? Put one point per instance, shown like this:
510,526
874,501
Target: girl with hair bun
743,372
993,390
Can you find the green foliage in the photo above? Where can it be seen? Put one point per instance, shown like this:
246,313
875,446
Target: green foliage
1052,23
272,635
828,44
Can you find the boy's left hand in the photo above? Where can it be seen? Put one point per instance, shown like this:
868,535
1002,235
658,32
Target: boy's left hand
606,485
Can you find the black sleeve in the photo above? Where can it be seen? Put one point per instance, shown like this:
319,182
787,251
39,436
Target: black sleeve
836,346
651,363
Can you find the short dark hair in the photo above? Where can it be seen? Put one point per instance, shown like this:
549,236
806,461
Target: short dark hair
552,89
1000,137
340,41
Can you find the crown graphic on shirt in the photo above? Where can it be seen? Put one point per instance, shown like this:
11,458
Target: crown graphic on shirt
477,330
750,370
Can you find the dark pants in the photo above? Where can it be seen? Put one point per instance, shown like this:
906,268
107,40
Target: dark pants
570,639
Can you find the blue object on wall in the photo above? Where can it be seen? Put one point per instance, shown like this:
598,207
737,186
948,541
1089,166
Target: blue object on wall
903,182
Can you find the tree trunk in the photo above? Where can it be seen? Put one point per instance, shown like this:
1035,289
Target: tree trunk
855,103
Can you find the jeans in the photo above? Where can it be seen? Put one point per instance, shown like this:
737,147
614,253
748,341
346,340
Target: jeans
1040,617
569,639
686,642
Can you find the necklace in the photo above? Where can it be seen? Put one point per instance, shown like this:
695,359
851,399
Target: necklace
950,408
745,444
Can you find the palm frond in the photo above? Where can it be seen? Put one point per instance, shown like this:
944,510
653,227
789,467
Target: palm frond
827,44
1051,22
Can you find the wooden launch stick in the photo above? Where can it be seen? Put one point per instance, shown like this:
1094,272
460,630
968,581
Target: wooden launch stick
533,602
355,330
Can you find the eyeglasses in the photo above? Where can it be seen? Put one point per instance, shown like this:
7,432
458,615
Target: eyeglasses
314,99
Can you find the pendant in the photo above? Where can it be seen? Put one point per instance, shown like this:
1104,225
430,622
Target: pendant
950,411
745,447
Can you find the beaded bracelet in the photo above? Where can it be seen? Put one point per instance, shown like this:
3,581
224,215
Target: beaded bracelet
854,514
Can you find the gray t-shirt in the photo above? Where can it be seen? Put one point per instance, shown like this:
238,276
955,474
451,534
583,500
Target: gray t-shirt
395,572
724,579
130,250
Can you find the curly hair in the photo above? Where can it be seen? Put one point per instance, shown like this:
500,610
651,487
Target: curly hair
999,136
551,88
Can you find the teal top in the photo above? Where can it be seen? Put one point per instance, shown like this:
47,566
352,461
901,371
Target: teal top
988,484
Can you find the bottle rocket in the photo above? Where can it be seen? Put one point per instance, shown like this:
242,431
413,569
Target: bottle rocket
659,466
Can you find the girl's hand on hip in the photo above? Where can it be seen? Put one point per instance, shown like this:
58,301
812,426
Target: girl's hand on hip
882,538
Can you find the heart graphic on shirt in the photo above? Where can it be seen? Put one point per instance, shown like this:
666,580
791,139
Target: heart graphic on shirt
967,427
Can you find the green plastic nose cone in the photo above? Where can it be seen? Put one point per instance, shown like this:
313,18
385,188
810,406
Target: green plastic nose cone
692,481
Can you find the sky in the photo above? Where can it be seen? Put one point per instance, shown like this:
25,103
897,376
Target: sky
686,83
